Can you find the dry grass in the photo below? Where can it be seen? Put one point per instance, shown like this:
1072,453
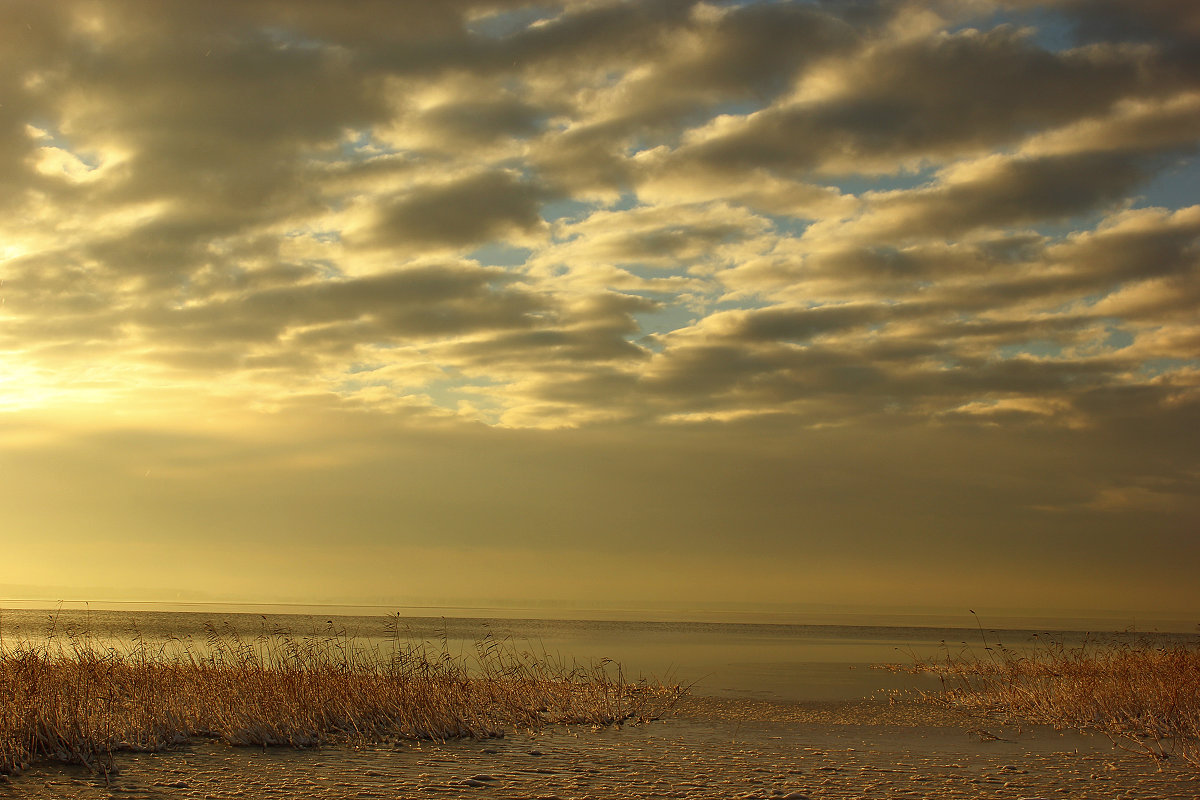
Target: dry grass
1145,696
72,699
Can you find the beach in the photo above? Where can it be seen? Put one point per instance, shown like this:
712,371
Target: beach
778,726
712,748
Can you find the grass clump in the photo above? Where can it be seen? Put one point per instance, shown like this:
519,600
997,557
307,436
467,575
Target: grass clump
1144,696
75,700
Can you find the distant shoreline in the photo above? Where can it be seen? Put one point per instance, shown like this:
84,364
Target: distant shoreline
1097,621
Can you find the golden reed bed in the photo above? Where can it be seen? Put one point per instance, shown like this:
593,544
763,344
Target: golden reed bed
71,699
1145,697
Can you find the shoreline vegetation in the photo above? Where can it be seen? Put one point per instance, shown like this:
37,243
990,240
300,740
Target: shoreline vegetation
68,698
1143,696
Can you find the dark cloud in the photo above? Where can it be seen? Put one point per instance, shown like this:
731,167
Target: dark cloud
792,324
549,344
673,241
750,53
420,301
1020,191
1137,245
480,121
469,210
1151,21
824,383
931,98
598,35
596,329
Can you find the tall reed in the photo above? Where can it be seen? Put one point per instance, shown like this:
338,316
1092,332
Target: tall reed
1145,697
73,699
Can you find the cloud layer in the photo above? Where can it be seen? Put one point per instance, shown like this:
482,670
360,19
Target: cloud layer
961,217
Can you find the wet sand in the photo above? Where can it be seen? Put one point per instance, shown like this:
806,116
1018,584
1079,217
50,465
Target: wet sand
710,748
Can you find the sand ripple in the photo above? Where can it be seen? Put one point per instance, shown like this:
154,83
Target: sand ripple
712,749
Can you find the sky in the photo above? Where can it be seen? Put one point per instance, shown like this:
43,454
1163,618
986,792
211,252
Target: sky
595,304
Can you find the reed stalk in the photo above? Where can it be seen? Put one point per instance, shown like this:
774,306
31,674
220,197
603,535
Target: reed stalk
74,700
1145,697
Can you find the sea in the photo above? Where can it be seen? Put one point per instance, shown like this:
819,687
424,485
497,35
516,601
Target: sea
767,660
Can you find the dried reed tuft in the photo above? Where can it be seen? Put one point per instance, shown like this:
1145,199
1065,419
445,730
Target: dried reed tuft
1144,697
78,701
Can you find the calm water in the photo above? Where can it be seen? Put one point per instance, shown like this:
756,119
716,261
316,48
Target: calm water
787,662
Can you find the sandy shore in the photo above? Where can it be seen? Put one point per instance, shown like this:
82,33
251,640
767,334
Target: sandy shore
712,748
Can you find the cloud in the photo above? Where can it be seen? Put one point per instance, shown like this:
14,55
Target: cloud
1154,21
591,328
924,100
692,237
819,228
468,210
999,191
472,123
360,337
286,182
